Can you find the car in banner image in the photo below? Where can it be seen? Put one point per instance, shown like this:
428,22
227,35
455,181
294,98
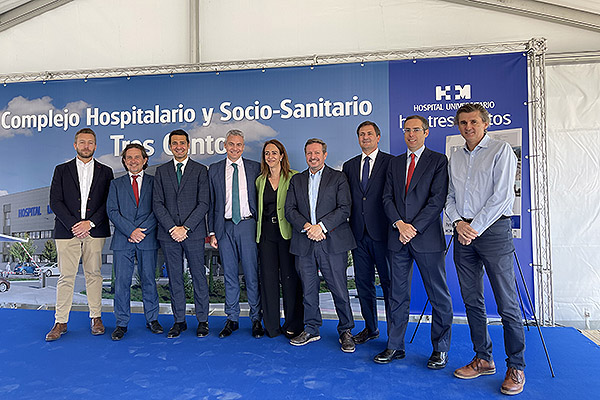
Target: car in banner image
4,285
25,268
48,270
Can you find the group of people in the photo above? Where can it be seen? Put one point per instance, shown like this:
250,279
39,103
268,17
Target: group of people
297,224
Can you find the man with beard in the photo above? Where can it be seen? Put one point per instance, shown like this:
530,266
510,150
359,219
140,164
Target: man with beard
78,199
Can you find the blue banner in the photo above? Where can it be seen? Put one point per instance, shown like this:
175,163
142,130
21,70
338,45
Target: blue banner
38,120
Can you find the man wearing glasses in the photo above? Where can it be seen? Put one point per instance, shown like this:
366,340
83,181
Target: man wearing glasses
413,199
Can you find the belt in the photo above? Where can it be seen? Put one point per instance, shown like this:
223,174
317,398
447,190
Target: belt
469,220
243,219
274,220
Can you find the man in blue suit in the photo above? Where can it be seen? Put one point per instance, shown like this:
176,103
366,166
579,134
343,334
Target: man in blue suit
366,176
129,208
414,196
318,206
181,197
232,226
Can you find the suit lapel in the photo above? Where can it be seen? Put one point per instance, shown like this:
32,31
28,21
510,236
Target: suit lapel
172,176
72,167
325,178
126,182
420,168
402,174
376,167
189,167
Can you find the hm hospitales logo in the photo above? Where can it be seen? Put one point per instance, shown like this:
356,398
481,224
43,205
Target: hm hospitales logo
458,93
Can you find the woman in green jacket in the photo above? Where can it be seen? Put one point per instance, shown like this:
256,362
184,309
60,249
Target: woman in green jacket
273,234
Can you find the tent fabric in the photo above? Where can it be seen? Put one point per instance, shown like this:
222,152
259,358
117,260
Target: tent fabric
573,121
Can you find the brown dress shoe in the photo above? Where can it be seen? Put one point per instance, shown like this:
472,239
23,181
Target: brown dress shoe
97,327
475,368
56,332
513,382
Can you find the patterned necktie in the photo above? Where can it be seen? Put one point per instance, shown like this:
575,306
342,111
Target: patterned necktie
411,169
179,173
235,196
365,173
136,189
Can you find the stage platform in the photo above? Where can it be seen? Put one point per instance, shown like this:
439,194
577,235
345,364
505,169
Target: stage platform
147,366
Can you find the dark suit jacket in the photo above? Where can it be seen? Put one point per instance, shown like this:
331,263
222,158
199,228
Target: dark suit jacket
65,200
333,209
216,176
126,216
181,205
367,205
423,203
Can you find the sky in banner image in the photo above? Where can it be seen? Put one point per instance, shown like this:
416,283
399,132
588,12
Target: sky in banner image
38,120
435,88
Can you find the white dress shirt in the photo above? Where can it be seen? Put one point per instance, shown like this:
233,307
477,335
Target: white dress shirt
85,173
372,157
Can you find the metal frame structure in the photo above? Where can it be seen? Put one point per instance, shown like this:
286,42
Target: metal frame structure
535,50
538,157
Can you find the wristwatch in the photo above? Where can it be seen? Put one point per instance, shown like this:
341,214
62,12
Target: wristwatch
93,225
455,223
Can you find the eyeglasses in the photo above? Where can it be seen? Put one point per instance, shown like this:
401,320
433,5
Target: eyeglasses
414,130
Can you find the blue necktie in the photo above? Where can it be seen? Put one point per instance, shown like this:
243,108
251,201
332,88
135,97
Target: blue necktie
235,196
365,174
179,174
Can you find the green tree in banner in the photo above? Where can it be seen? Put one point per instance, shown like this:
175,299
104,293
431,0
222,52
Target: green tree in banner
49,252
18,253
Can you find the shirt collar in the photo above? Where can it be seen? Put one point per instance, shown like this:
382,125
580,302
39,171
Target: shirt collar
372,156
139,174
238,162
485,142
184,162
417,153
316,174
82,164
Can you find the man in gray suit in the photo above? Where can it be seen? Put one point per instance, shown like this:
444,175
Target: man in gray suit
181,197
318,206
232,226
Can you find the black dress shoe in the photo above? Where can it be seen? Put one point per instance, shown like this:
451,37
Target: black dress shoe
388,355
257,329
202,330
229,327
364,336
438,360
176,330
155,327
118,333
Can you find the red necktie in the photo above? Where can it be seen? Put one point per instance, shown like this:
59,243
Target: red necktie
136,189
411,169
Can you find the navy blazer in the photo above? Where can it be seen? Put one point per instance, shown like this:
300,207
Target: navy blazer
127,216
185,204
367,205
216,177
333,209
65,200
422,205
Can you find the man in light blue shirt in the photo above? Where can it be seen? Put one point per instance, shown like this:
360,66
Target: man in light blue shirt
479,203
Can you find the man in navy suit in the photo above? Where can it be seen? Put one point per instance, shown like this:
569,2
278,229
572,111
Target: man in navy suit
318,206
414,196
366,176
180,203
129,208
232,226
78,199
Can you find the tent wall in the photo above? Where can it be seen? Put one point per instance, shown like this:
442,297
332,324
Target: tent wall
573,121
87,34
